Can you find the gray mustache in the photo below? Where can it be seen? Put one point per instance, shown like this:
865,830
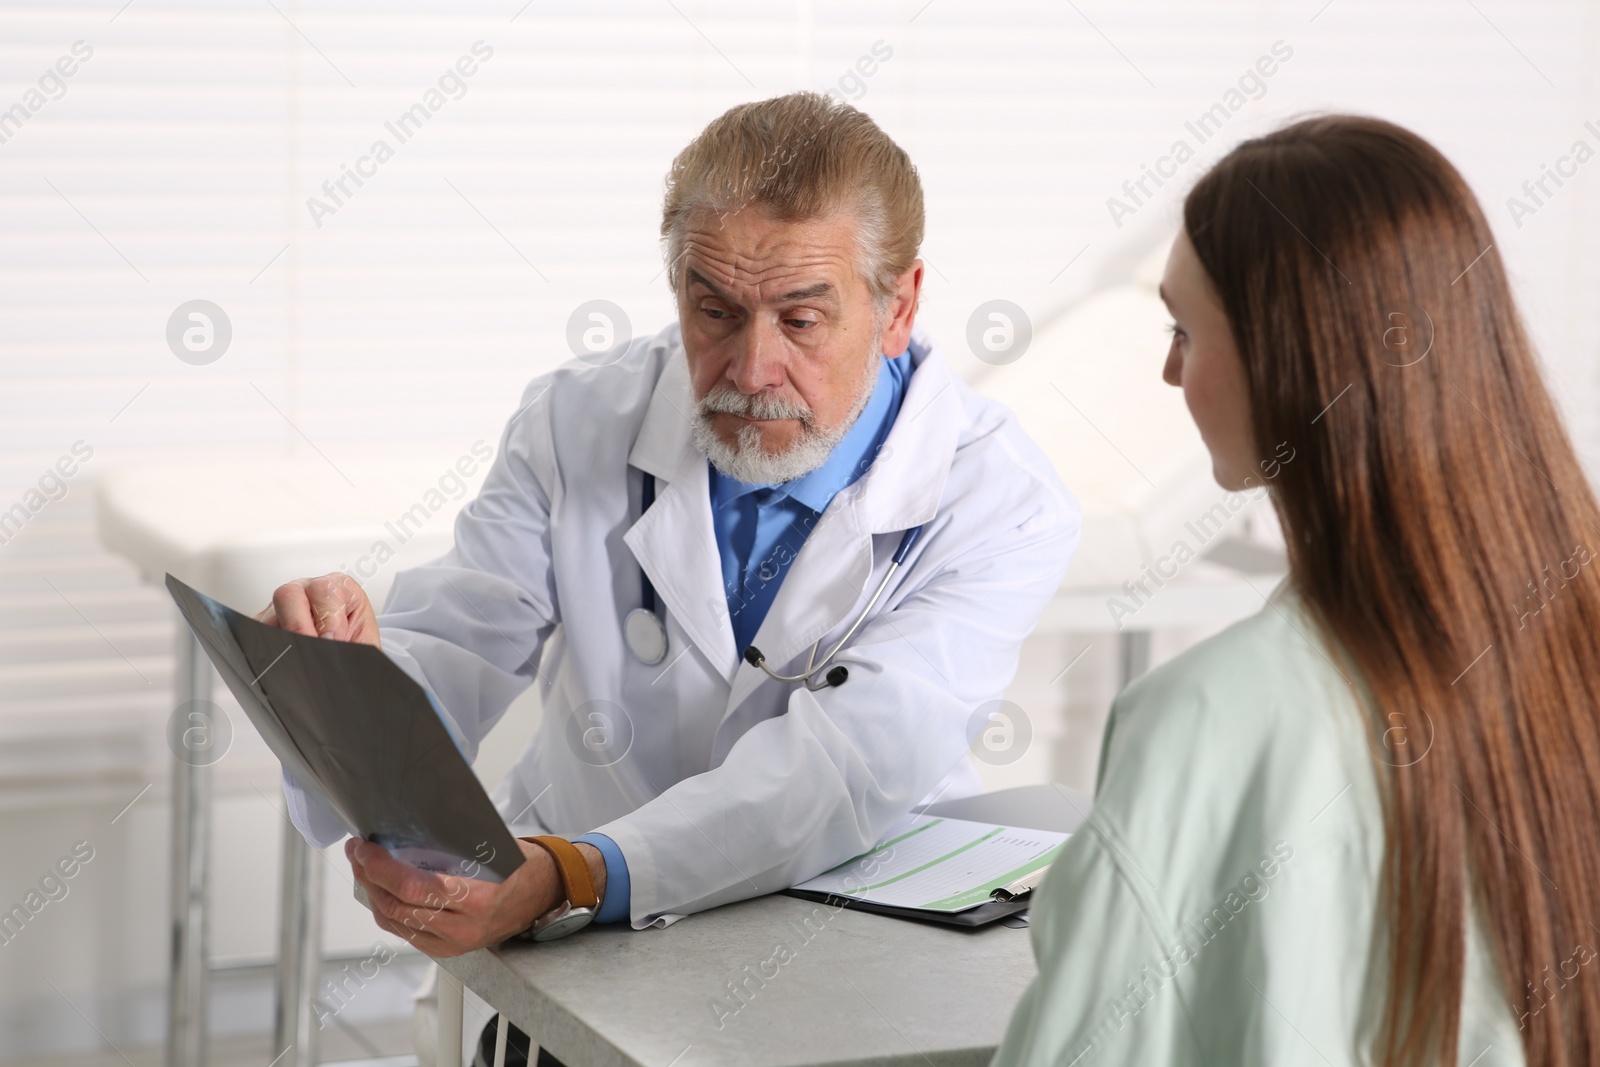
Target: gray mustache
724,399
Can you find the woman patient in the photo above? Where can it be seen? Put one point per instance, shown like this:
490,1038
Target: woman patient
1363,825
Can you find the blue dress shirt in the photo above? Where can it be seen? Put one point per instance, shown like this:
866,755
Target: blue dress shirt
760,528
759,531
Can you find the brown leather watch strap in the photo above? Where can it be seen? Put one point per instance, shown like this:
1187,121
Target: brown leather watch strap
573,867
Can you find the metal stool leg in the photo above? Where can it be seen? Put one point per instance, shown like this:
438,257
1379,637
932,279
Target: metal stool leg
299,951
191,874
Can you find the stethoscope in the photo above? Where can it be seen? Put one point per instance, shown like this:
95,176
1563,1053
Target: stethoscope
646,634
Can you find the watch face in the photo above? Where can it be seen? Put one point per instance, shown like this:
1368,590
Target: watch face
562,921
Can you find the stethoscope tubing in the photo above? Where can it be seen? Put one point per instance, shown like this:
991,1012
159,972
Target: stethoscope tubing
752,655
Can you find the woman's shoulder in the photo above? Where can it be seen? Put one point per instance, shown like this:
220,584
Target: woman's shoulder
1250,738
1266,680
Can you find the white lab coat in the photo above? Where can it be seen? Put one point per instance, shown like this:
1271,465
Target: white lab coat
733,785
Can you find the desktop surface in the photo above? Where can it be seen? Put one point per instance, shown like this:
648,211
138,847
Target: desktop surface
769,982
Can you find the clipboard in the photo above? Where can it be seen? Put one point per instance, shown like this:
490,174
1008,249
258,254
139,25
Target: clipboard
972,918
354,729
941,869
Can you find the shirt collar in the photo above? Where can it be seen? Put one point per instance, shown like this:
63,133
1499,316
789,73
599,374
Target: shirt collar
850,457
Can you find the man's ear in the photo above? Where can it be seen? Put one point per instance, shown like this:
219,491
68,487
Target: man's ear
901,313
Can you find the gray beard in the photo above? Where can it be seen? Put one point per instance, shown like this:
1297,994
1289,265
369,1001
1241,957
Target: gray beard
745,461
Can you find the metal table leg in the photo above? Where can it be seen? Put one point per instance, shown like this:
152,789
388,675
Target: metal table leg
447,1029
191,873
299,951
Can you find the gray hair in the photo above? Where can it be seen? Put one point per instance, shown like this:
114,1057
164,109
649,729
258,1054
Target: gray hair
801,156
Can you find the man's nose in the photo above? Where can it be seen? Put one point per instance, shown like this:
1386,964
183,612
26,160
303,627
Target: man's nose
758,364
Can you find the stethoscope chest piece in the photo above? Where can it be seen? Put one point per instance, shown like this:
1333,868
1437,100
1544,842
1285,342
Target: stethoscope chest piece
646,636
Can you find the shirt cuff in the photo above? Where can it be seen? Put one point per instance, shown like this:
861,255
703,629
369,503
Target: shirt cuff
614,908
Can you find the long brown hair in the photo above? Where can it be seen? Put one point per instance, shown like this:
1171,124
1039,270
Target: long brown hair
1441,529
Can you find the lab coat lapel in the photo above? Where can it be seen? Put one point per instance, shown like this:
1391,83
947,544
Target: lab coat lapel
674,542
832,576
822,587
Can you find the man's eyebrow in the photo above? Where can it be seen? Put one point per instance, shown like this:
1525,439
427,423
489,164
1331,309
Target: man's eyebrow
696,278
810,292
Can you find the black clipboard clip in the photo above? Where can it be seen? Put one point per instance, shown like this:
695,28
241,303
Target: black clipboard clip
1022,887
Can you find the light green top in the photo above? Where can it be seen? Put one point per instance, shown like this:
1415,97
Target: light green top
1220,905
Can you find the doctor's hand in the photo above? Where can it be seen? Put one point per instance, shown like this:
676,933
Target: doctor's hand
333,606
447,915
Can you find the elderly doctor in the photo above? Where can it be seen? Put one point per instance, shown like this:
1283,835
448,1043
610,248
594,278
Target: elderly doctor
789,465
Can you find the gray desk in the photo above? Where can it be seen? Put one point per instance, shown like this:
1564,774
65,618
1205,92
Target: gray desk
856,988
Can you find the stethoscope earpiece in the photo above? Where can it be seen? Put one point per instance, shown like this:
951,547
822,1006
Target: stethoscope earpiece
840,674
837,676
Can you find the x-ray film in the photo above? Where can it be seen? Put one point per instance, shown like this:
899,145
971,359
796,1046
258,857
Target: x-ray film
356,730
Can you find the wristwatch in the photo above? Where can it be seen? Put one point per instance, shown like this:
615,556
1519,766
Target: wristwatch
581,903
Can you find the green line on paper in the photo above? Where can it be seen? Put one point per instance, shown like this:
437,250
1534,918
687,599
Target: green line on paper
934,862
982,893
887,844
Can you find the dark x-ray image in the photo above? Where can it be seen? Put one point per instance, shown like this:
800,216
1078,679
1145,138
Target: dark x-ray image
350,725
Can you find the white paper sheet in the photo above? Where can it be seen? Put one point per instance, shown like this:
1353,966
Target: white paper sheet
940,864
